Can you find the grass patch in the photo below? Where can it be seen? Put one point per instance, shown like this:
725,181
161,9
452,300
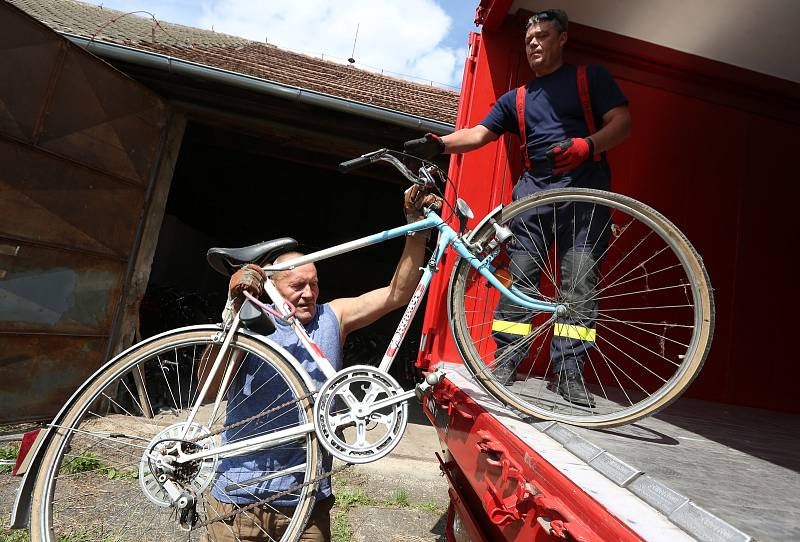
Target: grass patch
400,498
348,497
122,474
8,535
429,506
340,527
89,537
83,462
89,462
13,535
8,453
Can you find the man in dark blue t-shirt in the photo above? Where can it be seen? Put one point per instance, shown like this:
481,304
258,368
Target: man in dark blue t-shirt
560,151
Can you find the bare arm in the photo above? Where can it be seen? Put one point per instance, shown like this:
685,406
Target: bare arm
357,312
468,139
616,128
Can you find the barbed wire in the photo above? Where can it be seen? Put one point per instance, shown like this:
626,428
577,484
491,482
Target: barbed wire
383,71
113,20
322,56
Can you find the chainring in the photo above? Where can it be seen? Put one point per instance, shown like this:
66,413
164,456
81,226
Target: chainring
343,421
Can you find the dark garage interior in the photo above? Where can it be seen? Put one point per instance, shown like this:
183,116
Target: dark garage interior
234,189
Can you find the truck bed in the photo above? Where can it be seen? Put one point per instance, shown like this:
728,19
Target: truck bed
719,472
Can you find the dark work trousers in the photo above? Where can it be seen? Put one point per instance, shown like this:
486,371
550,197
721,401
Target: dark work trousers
579,233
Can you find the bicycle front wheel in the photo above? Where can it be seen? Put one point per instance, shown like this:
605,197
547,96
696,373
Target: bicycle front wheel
99,478
637,313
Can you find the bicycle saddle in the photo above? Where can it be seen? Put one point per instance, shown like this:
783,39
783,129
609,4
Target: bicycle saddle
227,260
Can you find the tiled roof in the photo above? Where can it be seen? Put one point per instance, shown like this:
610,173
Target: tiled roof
240,55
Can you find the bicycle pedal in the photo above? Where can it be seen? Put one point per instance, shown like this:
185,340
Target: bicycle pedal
426,386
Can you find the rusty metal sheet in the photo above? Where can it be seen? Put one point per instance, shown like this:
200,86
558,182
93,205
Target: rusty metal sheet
67,101
94,117
49,200
45,290
28,55
79,147
39,373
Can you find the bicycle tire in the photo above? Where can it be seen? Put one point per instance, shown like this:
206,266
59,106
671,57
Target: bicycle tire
104,462
648,232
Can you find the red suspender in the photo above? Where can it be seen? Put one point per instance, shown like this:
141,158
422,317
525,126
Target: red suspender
586,102
521,119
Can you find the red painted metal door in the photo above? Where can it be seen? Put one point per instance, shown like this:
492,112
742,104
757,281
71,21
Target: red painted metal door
79,145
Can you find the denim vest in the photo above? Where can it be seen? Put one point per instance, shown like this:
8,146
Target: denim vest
258,387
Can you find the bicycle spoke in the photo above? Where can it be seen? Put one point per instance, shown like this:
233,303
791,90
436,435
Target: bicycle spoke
630,306
96,466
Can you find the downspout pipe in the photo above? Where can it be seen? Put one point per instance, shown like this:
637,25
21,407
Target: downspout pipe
172,65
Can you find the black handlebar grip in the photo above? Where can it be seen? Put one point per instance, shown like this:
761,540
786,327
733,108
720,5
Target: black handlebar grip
355,163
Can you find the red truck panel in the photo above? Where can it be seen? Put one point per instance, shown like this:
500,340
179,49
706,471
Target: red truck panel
711,148
520,495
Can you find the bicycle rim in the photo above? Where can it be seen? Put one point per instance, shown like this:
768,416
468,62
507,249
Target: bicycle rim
637,338
95,482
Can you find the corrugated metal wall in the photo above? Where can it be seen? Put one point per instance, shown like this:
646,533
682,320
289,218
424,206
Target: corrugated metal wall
79,147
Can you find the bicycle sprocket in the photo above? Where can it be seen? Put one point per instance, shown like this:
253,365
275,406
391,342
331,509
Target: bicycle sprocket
157,465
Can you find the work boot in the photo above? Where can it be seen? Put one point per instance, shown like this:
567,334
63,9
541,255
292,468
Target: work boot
570,385
504,372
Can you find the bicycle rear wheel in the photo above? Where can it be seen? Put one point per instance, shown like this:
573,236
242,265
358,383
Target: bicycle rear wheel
639,311
97,483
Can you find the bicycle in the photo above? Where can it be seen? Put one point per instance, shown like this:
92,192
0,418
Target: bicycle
653,323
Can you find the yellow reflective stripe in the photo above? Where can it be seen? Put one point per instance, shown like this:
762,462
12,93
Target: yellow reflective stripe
574,332
513,328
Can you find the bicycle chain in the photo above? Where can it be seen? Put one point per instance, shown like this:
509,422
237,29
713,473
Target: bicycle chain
271,498
250,419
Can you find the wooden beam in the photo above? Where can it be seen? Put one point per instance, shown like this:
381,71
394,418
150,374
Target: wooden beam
127,333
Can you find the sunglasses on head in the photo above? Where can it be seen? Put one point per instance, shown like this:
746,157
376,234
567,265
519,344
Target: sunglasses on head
546,15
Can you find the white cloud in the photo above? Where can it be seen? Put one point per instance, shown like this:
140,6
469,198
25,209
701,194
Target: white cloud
399,36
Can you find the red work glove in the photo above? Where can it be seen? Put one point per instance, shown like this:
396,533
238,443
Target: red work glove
250,278
569,154
427,147
416,198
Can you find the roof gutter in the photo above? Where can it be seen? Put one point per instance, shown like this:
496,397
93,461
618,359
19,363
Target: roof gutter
172,65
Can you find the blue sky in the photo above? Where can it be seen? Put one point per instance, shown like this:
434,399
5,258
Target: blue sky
425,40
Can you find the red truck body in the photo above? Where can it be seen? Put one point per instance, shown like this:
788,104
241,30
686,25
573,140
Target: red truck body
701,132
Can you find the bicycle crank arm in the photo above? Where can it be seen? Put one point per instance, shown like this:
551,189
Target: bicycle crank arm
405,396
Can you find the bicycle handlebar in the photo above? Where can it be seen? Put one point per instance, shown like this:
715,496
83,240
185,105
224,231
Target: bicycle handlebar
385,155
361,161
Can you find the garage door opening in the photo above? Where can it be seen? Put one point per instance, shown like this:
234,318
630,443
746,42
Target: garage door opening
232,189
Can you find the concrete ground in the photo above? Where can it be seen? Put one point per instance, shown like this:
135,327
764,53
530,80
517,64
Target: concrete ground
405,494
400,498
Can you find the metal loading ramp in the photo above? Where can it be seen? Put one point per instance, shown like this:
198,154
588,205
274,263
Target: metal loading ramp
717,472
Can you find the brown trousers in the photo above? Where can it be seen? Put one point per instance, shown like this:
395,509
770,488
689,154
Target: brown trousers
262,525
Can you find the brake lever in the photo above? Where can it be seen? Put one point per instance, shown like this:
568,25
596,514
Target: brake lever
425,171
